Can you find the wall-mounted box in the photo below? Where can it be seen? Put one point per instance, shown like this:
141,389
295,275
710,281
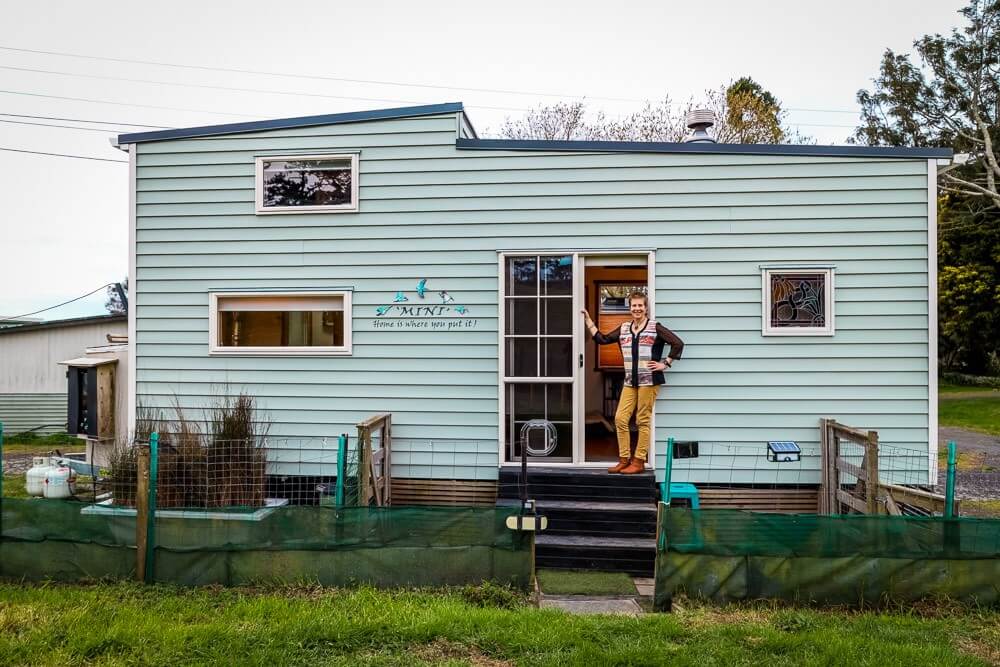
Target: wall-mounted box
91,397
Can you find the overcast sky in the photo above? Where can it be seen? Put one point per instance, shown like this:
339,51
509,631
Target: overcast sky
65,221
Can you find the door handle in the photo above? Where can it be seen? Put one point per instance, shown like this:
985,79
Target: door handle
581,360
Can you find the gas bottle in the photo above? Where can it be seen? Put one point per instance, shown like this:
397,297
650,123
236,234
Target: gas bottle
35,484
60,482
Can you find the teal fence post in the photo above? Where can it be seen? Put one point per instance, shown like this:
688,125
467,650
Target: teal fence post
154,455
341,464
668,469
949,493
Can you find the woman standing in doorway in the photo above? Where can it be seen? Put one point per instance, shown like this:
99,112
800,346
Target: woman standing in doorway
642,343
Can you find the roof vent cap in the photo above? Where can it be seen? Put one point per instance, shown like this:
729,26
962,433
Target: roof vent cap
699,120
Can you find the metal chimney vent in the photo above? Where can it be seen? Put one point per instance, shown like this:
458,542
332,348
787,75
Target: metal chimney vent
699,120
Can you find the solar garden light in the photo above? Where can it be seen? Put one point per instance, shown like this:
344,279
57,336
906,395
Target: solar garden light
783,452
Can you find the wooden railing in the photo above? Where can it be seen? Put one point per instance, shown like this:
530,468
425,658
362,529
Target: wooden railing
375,465
869,494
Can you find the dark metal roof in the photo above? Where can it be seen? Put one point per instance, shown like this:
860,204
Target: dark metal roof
699,147
71,322
283,123
535,145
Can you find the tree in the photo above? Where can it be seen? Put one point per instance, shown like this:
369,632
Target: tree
968,284
751,115
562,121
951,98
114,304
745,113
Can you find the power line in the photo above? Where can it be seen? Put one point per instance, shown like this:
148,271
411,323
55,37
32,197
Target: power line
316,77
84,120
78,157
126,104
213,87
14,317
64,127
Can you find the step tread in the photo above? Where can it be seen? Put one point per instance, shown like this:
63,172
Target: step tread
640,507
573,472
591,541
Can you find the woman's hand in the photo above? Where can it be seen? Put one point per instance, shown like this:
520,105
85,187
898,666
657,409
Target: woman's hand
586,317
656,366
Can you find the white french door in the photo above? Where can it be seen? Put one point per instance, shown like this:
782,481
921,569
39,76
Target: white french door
540,354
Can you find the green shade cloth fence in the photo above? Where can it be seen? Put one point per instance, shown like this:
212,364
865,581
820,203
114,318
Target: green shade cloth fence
728,555
387,547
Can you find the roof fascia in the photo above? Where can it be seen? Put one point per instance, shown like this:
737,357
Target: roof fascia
699,147
284,123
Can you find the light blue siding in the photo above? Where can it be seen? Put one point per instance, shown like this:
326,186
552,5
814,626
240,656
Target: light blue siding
431,211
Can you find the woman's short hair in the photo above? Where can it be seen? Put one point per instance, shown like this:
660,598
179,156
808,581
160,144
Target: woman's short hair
638,295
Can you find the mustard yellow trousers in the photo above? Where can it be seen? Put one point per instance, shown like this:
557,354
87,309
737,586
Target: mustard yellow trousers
641,402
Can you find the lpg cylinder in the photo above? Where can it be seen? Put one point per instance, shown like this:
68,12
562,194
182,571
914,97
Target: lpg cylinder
35,484
60,482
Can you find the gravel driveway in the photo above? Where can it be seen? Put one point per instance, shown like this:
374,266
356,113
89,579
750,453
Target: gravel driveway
983,451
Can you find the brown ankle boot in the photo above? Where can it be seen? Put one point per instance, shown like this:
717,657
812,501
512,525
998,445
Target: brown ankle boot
622,464
636,466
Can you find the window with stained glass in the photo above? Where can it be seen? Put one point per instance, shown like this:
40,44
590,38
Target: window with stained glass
797,302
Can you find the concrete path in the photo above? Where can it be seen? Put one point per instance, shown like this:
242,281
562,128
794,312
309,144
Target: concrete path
601,604
586,604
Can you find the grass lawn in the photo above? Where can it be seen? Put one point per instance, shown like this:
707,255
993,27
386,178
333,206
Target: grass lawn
125,624
945,388
564,582
977,410
28,443
15,486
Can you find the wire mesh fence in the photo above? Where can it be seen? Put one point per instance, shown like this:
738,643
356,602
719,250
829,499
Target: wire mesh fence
727,464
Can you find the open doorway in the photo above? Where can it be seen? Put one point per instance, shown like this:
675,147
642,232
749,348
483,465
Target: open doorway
607,283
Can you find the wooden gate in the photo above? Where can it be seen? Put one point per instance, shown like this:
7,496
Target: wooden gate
868,494
375,465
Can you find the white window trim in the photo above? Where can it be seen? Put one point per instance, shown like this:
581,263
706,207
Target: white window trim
214,349
279,210
765,311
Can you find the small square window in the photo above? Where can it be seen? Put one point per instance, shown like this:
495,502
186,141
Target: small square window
307,184
797,301
270,324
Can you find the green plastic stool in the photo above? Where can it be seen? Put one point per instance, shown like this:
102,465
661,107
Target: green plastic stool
676,489
683,490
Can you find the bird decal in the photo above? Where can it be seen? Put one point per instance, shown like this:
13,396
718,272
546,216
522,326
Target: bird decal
400,297
461,310
421,288
382,310
445,297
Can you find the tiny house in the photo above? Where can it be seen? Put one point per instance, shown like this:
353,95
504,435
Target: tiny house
392,261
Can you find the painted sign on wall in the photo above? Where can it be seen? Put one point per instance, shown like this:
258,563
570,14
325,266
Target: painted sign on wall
428,309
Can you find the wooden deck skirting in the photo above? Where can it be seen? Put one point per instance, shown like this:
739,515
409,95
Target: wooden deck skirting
450,492
443,492
784,501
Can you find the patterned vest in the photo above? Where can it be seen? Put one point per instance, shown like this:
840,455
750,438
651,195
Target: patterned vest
647,337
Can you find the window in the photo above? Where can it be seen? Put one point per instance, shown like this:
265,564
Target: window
307,183
797,301
266,323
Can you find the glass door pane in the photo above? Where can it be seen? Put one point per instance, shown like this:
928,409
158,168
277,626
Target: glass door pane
539,369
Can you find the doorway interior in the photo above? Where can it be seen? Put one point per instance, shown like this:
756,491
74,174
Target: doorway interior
550,369
607,283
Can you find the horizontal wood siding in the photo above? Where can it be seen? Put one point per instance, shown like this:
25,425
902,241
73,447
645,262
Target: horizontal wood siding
38,413
29,360
431,211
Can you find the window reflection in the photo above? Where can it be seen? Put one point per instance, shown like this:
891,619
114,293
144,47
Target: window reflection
307,183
